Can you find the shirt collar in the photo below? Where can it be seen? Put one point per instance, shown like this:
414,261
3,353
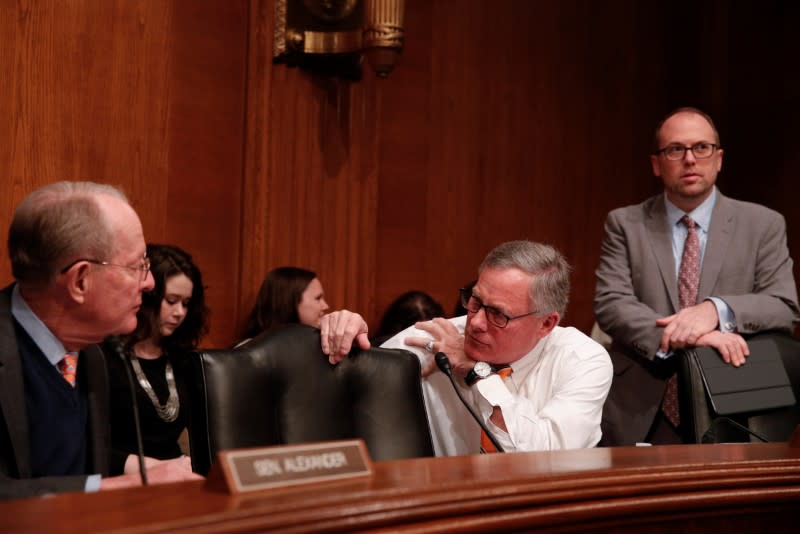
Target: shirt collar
701,214
527,362
48,343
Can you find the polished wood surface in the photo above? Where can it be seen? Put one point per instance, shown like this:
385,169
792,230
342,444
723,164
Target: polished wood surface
505,119
743,487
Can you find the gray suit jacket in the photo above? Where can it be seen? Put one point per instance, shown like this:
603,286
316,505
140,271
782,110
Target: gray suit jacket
15,468
746,263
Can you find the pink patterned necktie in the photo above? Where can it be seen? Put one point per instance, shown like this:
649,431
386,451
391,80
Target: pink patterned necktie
68,366
688,282
689,275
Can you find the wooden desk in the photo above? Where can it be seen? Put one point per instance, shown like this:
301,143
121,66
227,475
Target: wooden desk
739,487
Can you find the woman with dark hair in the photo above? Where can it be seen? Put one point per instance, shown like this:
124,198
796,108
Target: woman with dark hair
406,310
170,323
287,295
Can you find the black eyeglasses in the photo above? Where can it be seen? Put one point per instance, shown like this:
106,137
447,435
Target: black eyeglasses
143,268
473,305
678,152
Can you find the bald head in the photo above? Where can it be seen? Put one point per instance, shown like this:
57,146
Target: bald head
658,141
690,177
59,223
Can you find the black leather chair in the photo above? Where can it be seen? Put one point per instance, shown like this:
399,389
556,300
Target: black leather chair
280,389
702,425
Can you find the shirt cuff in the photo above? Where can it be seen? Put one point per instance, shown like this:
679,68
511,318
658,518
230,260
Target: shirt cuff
727,320
92,483
494,391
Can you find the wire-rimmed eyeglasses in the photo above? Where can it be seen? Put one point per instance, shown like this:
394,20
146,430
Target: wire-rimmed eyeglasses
143,267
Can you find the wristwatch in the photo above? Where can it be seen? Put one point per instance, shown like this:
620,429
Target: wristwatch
481,370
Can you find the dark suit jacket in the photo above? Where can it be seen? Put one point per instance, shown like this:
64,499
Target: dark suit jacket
746,263
15,469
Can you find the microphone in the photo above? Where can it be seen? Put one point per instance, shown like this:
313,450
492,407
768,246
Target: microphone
117,346
711,435
444,366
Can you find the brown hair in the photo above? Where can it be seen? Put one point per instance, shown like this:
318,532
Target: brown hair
167,261
278,298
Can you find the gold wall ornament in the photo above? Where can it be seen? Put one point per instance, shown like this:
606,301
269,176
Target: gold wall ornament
383,34
329,36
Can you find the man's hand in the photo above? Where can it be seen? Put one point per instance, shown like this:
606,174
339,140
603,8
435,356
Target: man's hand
158,472
132,464
338,330
684,328
731,346
447,339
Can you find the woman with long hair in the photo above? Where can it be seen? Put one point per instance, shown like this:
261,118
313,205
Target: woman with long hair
171,320
288,295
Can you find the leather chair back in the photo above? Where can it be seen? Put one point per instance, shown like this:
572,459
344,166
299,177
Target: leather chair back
698,416
280,389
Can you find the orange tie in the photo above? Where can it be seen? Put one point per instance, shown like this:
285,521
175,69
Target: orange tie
486,444
69,368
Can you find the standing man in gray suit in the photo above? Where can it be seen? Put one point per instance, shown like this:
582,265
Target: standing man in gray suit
689,267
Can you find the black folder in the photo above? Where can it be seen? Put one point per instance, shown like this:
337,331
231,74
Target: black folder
760,384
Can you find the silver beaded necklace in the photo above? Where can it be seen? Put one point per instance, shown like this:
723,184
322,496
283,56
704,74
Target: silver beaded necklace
169,410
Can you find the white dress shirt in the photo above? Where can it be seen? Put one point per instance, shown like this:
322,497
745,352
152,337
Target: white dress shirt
553,400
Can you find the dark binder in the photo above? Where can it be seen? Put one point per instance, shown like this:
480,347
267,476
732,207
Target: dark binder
760,384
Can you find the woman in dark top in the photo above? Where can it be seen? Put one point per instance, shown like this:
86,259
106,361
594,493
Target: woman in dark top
288,295
171,321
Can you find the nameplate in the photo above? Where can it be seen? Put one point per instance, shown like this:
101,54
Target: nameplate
262,468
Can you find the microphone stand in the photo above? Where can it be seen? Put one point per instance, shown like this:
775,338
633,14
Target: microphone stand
444,365
132,386
710,435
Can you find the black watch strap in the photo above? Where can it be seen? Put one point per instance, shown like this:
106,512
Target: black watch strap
473,377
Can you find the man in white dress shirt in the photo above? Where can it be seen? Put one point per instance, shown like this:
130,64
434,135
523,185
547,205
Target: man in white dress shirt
553,399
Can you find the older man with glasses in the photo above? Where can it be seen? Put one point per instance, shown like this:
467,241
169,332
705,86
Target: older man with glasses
77,252
536,385
689,267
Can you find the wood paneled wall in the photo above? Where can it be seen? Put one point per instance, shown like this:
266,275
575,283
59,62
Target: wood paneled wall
504,120
143,94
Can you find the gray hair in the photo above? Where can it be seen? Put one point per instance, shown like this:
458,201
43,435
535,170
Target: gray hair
549,289
55,224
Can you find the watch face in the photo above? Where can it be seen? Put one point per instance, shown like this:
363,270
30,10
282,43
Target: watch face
482,369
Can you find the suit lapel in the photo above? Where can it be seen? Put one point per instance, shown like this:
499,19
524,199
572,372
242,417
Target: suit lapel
12,388
720,233
660,237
